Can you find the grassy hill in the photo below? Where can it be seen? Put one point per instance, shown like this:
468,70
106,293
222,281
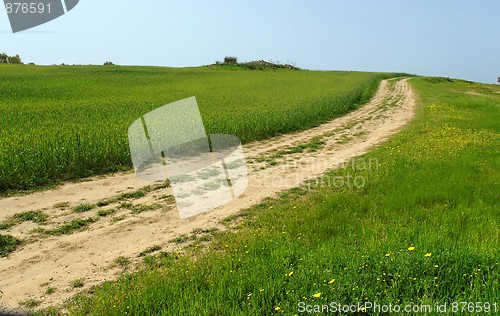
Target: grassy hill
68,122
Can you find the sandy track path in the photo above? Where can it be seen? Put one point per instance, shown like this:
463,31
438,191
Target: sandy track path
55,261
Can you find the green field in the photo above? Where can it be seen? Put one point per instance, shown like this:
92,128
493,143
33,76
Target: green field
424,230
68,122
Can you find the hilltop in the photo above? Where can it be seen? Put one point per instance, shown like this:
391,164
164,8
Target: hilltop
252,65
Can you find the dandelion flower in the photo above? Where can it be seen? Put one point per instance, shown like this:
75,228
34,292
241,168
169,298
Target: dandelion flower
428,254
317,295
277,308
411,248
331,281
388,254
290,274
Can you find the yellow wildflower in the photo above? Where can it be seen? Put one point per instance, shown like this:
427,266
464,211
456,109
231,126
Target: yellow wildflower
317,295
428,254
411,248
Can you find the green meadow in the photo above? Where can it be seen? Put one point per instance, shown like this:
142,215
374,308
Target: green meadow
424,230
68,122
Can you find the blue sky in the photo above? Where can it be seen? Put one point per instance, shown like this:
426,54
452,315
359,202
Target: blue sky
455,38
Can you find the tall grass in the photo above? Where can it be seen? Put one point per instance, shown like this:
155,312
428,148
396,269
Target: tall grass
423,230
68,122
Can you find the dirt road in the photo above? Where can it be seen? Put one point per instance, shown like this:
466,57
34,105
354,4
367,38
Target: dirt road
48,261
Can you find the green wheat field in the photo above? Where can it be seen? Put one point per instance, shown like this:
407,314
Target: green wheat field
64,123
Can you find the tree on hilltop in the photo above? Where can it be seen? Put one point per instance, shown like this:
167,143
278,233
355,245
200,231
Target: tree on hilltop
6,59
230,60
